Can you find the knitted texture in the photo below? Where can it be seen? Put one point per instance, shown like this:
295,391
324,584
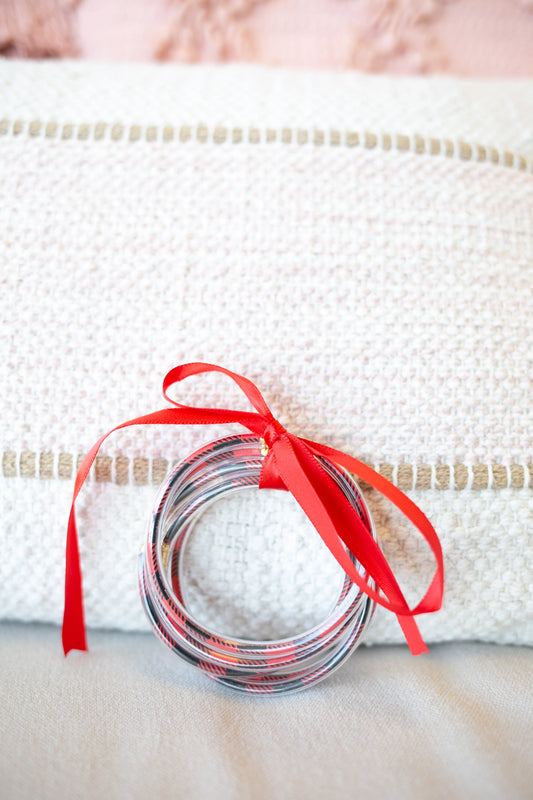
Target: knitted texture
373,279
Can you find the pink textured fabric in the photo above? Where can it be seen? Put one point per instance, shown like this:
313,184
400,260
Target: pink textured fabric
37,29
483,38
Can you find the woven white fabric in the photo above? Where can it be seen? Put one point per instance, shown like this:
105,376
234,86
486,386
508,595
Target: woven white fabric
486,538
380,297
489,112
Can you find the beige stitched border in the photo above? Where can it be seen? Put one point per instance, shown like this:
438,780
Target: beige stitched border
141,471
466,151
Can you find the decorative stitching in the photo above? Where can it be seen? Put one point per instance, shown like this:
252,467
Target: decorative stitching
140,471
301,137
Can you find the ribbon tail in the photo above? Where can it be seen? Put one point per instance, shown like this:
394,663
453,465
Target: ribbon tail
413,637
432,600
335,520
73,635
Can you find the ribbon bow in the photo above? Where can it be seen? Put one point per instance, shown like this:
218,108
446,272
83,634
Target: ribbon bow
291,464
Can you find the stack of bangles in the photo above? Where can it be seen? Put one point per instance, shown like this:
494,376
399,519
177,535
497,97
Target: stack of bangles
283,665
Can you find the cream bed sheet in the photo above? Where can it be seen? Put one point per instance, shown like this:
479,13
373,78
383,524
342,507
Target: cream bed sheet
128,720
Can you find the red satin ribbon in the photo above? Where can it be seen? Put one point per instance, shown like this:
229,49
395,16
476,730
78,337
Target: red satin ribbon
291,464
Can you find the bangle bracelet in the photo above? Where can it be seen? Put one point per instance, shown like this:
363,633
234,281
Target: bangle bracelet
273,666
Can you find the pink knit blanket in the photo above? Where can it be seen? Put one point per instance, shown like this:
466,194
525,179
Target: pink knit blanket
483,38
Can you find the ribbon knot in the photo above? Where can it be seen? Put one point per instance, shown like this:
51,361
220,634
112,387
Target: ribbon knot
270,477
272,432
291,463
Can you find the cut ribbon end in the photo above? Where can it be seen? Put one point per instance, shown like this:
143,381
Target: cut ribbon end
72,641
413,637
74,636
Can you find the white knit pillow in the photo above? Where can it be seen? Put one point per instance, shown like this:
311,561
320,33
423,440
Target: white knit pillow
359,247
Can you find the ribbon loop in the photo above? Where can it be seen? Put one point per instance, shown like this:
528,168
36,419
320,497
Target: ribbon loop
291,463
